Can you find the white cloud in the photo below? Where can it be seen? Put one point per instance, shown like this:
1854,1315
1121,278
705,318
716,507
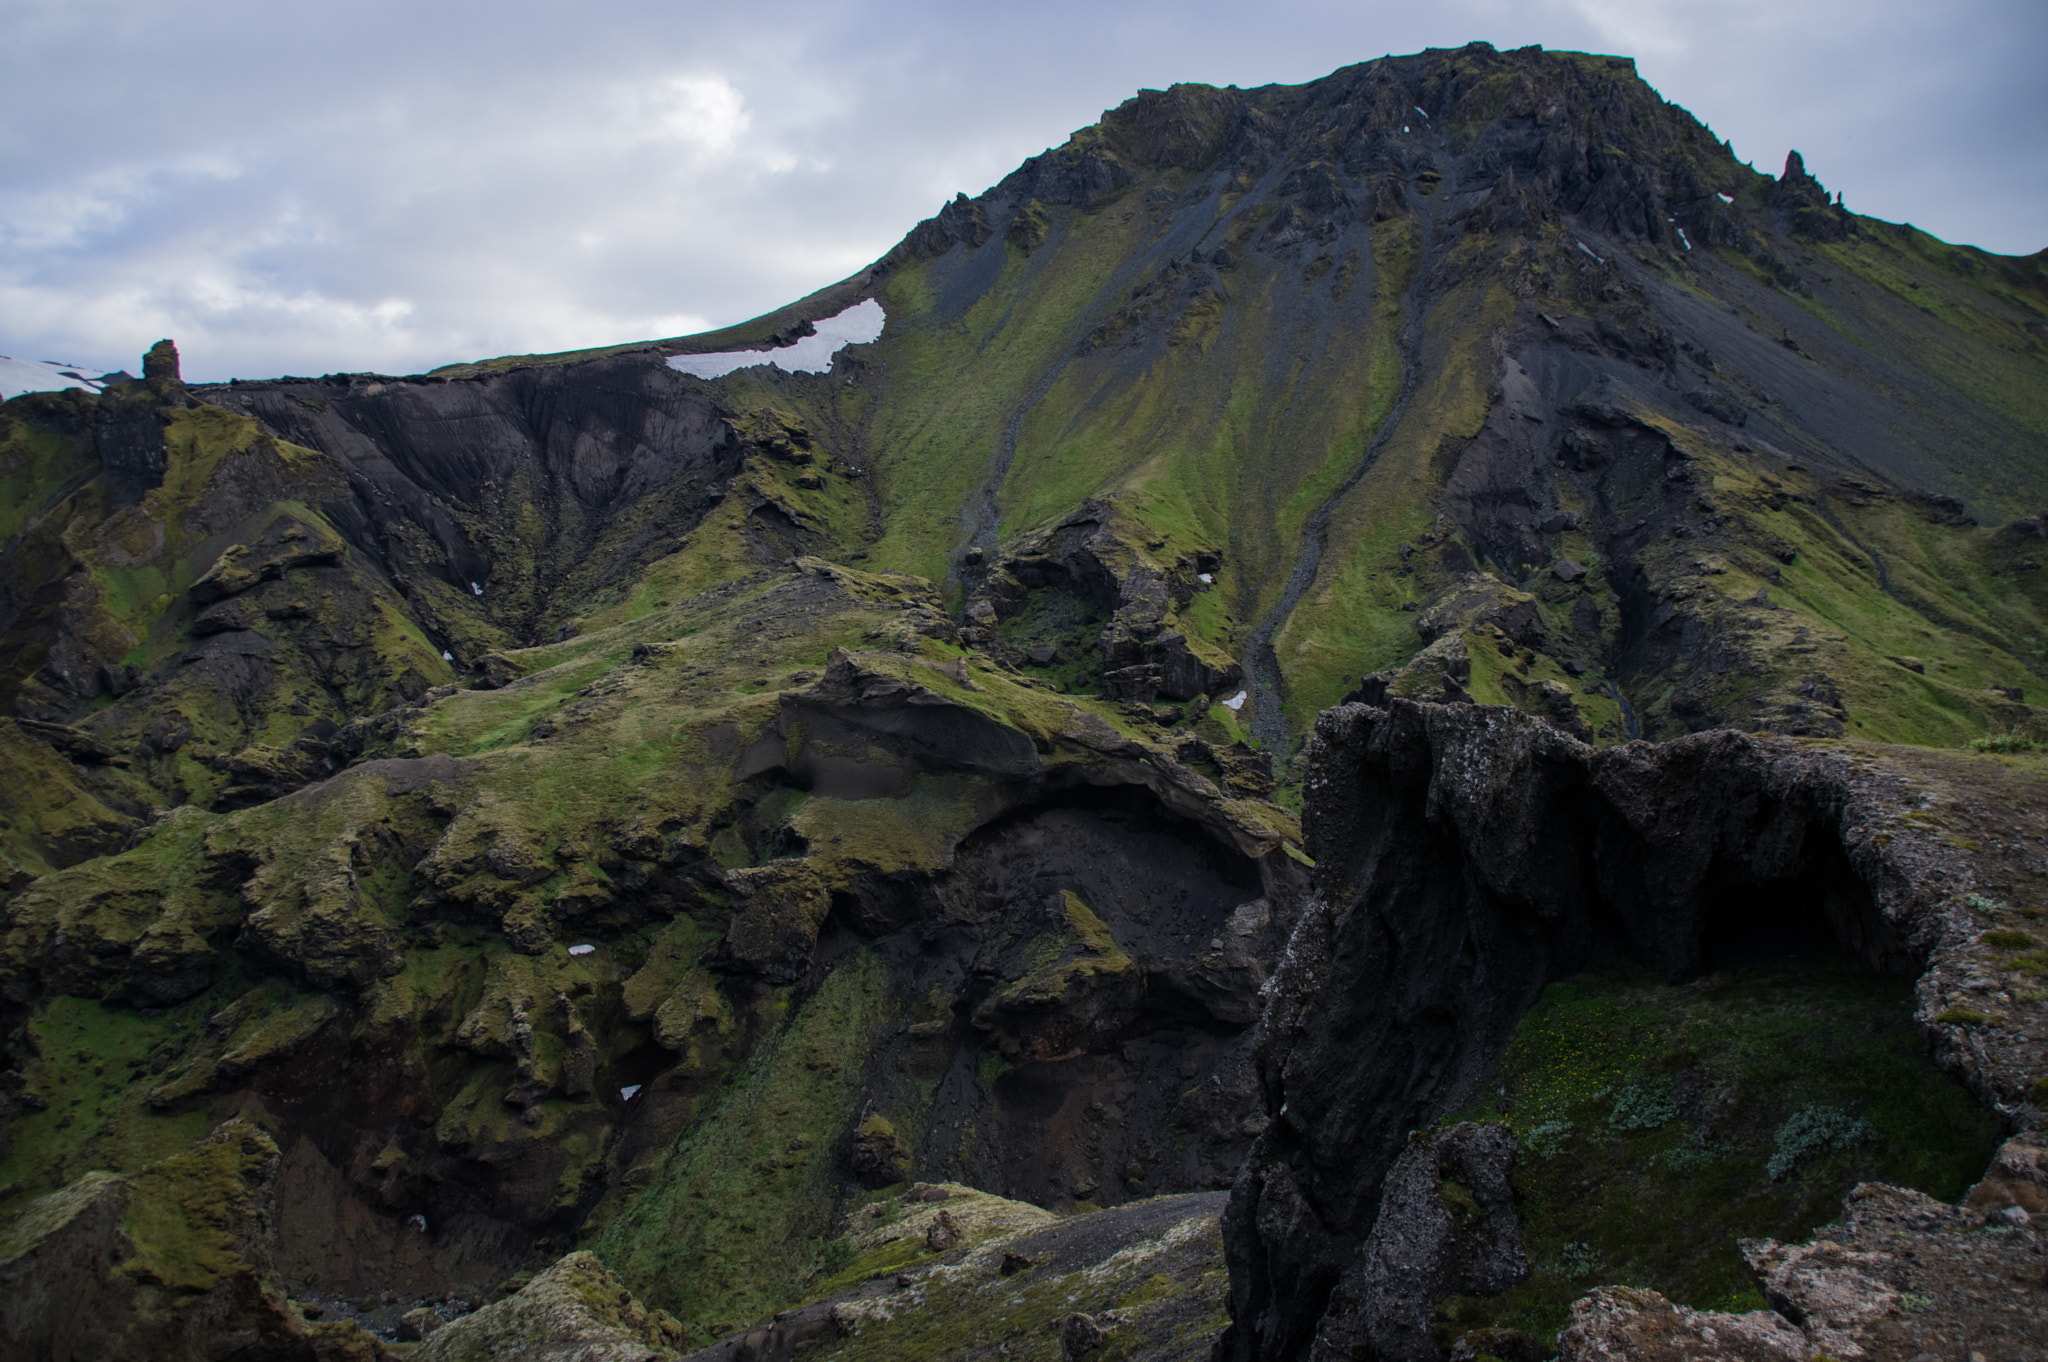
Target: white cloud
701,111
524,177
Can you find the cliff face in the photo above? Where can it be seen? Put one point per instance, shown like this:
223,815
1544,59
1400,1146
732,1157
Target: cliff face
1465,857
495,776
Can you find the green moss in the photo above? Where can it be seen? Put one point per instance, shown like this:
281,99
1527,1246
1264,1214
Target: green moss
188,1213
1086,926
1660,1124
917,831
723,1233
91,1076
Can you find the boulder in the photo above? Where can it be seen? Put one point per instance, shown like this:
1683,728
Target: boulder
879,1155
577,1309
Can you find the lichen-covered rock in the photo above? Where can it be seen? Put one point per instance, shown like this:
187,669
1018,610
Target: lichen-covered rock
1145,1277
2016,1180
576,1311
1080,1335
1621,1321
1902,1276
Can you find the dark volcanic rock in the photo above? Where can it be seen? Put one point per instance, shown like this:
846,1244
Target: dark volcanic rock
161,363
1446,1226
1803,203
1467,855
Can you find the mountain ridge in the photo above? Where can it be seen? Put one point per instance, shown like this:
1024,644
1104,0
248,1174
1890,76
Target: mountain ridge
712,803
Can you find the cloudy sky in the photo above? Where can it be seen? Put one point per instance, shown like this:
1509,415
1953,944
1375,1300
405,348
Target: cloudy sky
301,188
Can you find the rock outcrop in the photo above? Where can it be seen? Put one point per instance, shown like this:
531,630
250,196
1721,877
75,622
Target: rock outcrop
1014,1281
1446,1225
1465,856
1089,588
1902,1276
576,1311
170,1264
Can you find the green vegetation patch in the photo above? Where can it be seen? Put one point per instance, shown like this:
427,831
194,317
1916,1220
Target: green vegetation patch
1658,1125
85,1098
1162,1296
730,1228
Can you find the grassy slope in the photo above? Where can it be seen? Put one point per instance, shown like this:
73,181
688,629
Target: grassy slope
734,1226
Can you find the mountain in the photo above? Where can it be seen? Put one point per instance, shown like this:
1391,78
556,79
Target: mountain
566,799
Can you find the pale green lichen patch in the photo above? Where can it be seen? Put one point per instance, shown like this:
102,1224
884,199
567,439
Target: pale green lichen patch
47,1214
576,1308
1158,1291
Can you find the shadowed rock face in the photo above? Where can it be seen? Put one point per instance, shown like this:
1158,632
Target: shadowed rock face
1465,856
1446,1225
511,481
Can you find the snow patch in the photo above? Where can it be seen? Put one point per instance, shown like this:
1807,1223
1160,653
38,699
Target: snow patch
857,325
477,589
1683,239
18,376
1589,251
626,1093
447,656
581,950
1725,198
1206,578
1235,702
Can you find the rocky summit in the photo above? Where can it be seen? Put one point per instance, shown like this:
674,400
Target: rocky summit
1396,718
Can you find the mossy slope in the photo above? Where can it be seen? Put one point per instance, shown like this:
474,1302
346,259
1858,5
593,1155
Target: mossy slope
1659,1125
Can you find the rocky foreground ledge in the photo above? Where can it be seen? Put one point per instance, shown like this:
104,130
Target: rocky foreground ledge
1468,855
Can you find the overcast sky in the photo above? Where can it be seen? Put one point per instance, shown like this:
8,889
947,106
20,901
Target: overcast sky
299,188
